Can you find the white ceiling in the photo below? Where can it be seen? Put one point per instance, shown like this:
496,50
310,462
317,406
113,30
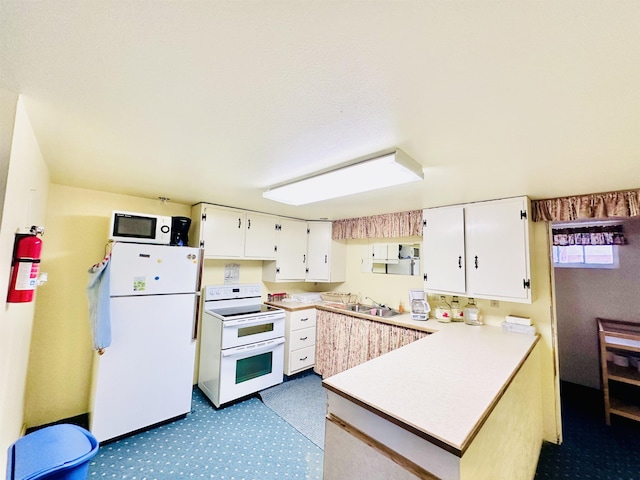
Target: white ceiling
216,101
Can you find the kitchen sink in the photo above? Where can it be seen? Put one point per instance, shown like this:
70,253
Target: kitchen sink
386,312
371,310
358,307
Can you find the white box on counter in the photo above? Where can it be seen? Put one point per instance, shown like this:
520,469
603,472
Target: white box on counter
517,328
518,320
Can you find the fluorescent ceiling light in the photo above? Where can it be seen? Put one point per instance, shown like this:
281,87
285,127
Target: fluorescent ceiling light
384,170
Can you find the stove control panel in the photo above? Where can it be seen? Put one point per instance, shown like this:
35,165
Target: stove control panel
228,292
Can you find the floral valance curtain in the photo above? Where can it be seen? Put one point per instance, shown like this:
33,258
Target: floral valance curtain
390,225
591,235
600,205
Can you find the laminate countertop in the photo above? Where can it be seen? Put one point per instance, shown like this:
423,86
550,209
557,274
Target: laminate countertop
442,387
402,320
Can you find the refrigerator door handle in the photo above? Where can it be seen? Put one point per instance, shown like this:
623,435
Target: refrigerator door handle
196,316
200,269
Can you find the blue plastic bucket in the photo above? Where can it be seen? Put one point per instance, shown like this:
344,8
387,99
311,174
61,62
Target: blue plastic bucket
58,452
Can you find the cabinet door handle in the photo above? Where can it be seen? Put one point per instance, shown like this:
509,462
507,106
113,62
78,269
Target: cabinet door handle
249,224
476,261
460,261
239,222
325,259
303,359
303,338
304,258
304,319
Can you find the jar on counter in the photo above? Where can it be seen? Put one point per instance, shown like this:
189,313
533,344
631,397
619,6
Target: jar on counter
443,310
472,315
457,312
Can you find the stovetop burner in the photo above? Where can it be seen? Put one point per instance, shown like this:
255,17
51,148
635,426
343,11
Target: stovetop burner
230,302
231,312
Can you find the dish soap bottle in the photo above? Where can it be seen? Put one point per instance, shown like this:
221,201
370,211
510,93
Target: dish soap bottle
457,312
443,310
472,314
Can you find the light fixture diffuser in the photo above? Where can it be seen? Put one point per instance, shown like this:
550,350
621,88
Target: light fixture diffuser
384,170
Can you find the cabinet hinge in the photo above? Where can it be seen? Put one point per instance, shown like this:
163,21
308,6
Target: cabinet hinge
425,277
204,217
277,270
201,243
308,230
526,283
523,214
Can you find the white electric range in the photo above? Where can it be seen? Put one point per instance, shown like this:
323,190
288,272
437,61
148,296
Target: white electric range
241,343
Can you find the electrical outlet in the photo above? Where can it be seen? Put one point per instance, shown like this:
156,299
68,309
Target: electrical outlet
494,303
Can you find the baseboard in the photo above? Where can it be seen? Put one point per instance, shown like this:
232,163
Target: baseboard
79,420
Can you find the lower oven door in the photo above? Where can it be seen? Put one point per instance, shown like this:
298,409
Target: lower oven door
251,368
244,331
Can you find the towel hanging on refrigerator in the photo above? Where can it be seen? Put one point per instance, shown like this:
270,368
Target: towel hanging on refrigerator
99,304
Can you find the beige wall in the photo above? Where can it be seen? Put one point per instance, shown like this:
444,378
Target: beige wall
60,362
24,196
61,357
59,381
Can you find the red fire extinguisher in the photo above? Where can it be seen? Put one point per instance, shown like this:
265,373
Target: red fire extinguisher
25,266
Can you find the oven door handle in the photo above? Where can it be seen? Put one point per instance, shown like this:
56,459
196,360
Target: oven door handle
253,348
245,322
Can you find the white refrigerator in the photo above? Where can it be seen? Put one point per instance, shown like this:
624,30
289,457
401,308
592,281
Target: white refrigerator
145,376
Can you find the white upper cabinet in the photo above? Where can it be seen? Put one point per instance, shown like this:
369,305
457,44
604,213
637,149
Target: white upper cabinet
326,258
234,234
290,263
443,249
221,232
497,246
479,250
261,236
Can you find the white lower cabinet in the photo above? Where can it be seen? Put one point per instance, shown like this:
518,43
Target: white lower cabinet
299,340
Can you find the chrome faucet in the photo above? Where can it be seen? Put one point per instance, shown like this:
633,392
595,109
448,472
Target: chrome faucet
379,305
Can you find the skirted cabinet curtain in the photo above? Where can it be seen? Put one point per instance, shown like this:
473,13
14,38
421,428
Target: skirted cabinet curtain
343,341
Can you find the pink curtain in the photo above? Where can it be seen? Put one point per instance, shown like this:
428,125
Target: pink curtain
344,341
598,205
389,225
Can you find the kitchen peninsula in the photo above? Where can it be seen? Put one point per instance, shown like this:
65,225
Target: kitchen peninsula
461,403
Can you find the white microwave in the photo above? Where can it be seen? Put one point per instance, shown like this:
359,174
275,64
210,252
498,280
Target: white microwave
140,228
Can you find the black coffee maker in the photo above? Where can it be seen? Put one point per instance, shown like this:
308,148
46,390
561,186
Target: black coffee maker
180,231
